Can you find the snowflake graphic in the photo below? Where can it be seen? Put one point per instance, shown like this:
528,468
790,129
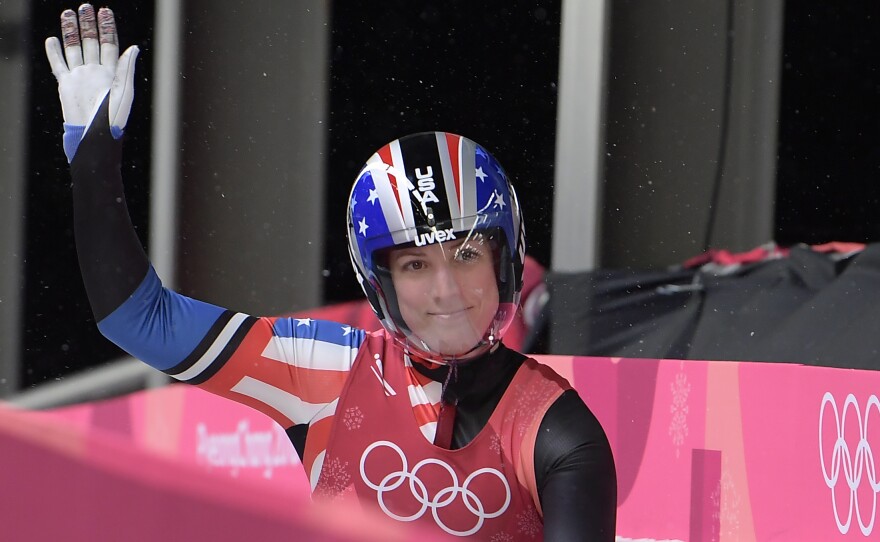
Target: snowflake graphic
334,479
726,504
525,397
528,399
678,427
501,537
528,522
495,443
353,418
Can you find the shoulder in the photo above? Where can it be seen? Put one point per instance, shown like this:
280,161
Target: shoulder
318,330
575,474
307,342
570,434
570,410
545,372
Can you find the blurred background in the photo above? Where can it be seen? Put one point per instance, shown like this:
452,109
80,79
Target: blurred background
638,135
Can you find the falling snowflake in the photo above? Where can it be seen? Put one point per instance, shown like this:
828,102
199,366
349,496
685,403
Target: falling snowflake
353,418
678,427
501,537
333,480
528,522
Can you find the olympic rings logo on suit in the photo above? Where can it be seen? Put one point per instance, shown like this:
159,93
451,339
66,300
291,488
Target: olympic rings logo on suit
441,499
853,468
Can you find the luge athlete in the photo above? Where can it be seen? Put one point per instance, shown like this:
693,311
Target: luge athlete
431,419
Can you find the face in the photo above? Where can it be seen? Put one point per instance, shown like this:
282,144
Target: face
446,292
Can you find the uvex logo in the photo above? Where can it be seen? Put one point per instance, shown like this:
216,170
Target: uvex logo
437,236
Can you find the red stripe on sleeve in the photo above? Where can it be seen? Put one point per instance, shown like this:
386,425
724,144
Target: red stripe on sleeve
314,386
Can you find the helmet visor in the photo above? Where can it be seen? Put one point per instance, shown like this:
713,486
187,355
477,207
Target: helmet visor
444,297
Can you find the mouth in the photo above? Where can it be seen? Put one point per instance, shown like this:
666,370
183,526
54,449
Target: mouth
445,315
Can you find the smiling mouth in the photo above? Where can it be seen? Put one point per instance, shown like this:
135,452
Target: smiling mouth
449,314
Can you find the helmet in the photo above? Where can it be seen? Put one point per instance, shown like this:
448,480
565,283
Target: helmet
434,188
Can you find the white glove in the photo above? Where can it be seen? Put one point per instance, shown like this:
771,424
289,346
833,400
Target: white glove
92,67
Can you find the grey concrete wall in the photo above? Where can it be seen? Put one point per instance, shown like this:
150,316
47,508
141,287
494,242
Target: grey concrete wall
666,80
748,191
13,130
254,107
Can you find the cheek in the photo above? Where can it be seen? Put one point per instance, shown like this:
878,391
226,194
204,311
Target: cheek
486,286
484,293
407,296
412,299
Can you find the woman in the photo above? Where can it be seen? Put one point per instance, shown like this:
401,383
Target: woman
431,419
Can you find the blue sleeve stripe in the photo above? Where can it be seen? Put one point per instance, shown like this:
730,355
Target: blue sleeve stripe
158,326
73,135
319,330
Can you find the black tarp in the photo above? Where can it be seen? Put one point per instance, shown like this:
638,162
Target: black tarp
801,305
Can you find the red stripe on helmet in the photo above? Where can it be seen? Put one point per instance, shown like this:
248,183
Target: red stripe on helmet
452,145
385,154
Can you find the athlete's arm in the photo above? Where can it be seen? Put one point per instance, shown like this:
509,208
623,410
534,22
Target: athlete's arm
574,468
229,353
96,88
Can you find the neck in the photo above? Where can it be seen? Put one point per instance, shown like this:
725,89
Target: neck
472,379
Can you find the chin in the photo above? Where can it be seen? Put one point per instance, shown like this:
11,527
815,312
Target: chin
457,347
452,339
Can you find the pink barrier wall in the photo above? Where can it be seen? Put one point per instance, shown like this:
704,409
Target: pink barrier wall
705,451
196,428
735,451
74,482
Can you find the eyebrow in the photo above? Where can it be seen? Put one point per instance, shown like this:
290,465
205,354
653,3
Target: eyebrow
419,251
407,252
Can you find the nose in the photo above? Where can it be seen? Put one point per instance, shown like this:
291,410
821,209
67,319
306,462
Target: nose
445,282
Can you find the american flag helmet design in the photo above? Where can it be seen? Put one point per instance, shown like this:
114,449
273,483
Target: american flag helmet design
415,190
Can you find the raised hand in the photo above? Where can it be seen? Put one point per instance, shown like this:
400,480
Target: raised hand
90,67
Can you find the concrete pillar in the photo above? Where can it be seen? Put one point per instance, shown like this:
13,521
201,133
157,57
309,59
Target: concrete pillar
13,137
254,110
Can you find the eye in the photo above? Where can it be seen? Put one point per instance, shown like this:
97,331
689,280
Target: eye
468,253
412,265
